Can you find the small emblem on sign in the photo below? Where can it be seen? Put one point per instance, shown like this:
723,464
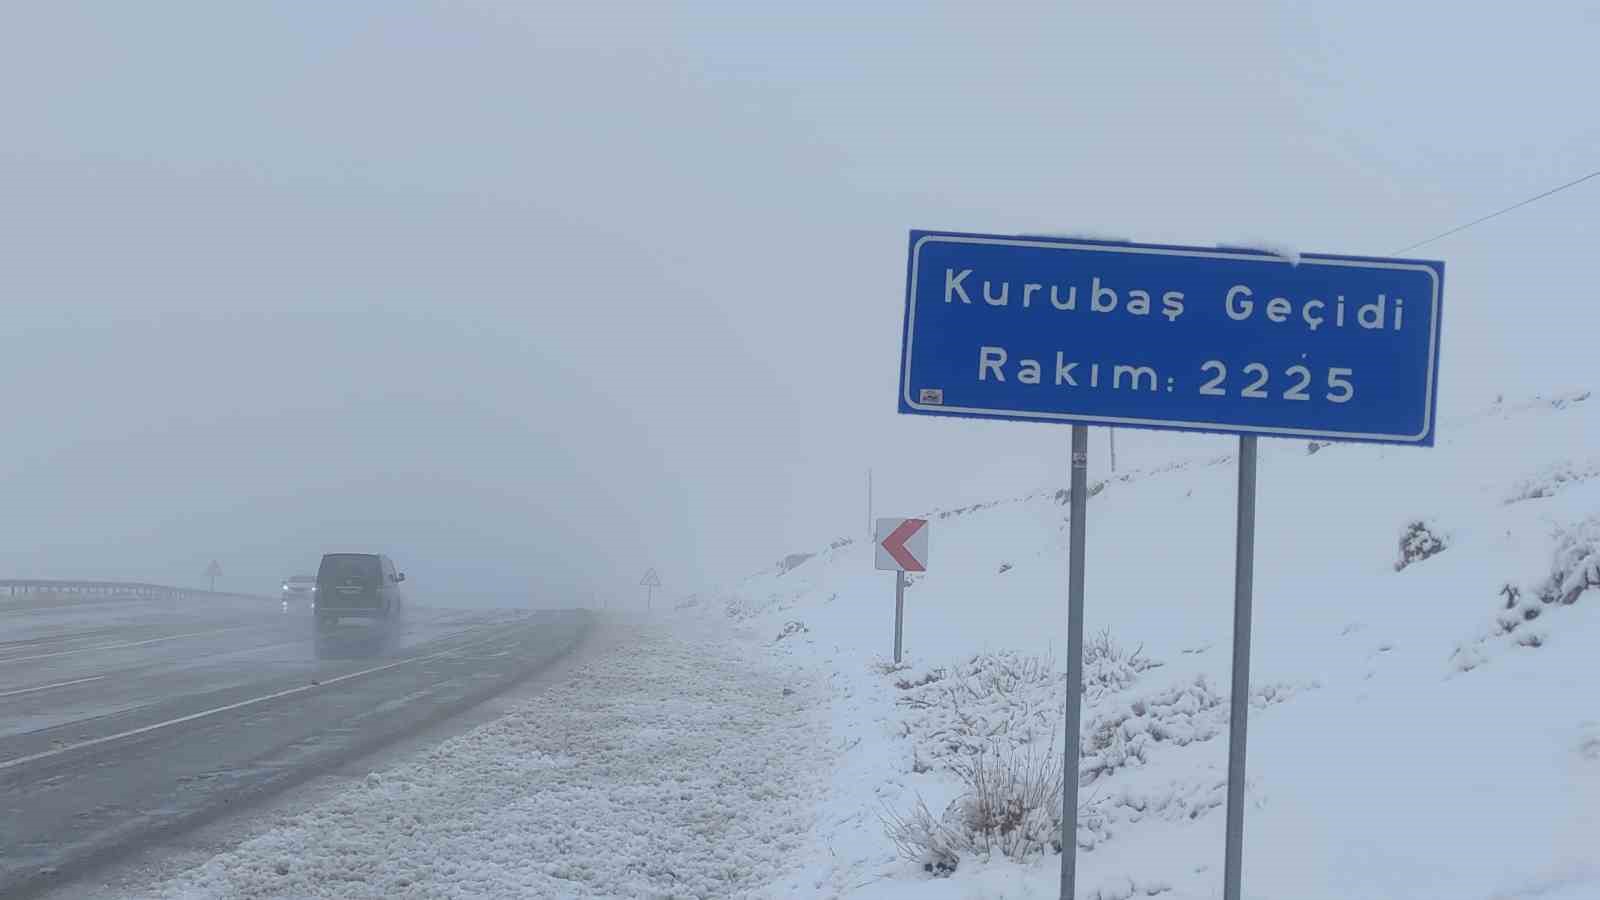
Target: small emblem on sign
932,396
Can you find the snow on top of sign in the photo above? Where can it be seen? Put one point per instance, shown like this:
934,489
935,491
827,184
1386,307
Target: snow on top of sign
1274,248
1101,237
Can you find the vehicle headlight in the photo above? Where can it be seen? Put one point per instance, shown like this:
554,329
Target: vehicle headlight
286,587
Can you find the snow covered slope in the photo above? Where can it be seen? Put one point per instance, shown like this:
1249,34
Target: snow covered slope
1426,688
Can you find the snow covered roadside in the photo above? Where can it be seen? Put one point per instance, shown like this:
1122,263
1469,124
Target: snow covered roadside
1423,723
686,765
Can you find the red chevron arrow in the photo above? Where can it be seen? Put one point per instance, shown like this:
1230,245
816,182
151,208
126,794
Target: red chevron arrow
895,545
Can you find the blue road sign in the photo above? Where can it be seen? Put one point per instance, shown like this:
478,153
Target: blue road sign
1187,338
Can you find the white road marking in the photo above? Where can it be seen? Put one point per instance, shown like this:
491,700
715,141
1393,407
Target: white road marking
46,687
170,637
23,760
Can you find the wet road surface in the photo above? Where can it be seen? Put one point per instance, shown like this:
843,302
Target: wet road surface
124,722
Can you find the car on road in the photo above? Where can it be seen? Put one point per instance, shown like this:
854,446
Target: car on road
300,592
360,605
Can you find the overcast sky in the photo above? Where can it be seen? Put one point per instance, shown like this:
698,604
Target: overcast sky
533,296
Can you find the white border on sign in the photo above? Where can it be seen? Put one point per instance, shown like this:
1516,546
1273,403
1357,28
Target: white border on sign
911,321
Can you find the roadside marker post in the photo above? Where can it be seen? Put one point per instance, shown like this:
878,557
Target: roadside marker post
901,546
1205,339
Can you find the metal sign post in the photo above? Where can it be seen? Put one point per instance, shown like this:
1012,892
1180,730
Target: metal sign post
1072,746
901,547
1211,339
1239,710
869,503
899,610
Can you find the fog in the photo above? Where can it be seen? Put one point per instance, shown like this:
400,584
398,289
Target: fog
534,297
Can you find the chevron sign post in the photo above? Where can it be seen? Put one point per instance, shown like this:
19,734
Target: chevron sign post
901,546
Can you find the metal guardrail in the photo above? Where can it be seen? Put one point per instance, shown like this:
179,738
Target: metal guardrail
22,587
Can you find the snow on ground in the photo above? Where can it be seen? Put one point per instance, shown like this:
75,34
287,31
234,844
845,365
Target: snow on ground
686,766
1422,727
1423,724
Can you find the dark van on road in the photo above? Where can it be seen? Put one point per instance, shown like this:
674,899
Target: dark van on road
359,586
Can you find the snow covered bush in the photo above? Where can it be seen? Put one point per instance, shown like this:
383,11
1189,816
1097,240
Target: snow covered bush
1108,667
790,629
1574,570
1531,639
1553,479
742,607
1005,698
1419,541
793,561
1177,716
988,699
1121,737
1576,565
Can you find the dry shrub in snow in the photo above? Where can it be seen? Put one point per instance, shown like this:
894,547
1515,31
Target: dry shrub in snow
1419,541
923,838
1011,806
1013,801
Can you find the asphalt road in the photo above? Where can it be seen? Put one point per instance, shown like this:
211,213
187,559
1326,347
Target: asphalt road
122,723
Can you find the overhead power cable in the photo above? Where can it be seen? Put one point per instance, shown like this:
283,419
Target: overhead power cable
1501,212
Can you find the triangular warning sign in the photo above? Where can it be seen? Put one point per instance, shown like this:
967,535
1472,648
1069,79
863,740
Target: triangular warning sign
214,570
650,579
